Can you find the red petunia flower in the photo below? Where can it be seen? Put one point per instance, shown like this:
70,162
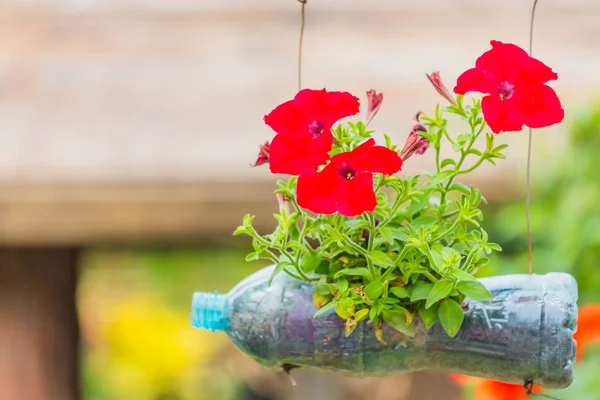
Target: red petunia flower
263,154
588,327
303,127
374,101
488,389
515,84
346,183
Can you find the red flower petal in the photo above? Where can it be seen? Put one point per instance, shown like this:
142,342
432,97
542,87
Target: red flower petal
293,156
540,106
355,155
487,389
533,73
588,327
326,192
316,190
355,196
502,61
502,115
289,121
475,80
328,107
380,159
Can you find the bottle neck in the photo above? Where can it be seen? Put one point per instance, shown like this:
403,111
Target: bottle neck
210,311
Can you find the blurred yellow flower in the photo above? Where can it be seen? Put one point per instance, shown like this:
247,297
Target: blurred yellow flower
151,347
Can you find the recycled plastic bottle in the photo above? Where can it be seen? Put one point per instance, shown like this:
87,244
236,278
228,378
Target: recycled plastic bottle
525,333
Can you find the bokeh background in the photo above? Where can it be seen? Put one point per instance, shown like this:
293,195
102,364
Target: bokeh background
126,132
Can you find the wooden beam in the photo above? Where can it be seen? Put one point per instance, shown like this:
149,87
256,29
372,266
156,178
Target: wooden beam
86,214
39,338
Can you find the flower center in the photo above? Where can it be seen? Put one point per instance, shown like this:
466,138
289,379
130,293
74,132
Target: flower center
505,90
316,127
346,170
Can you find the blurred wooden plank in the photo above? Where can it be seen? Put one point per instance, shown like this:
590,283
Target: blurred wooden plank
39,338
87,214
176,95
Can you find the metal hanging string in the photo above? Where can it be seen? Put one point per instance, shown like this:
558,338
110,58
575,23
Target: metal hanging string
529,390
302,19
528,386
528,184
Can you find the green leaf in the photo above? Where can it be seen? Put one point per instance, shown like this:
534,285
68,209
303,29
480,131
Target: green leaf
448,161
374,290
440,290
400,292
494,246
325,308
463,138
474,290
311,261
359,271
441,177
380,259
252,256
463,275
247,221
426,220
342,285
387,234
399,321
451,316
400,235
459,187
343,308
420,291
373,313
320,300
278,268
240,230
361,314
429,315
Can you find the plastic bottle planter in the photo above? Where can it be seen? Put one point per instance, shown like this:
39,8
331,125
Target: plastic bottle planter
524,333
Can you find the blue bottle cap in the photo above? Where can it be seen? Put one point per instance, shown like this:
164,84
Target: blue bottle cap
209,311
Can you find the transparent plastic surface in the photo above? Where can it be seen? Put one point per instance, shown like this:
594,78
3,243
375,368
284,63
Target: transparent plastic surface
524,333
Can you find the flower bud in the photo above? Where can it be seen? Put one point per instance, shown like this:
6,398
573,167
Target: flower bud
439,87
263,154
374,101
415,143
285,203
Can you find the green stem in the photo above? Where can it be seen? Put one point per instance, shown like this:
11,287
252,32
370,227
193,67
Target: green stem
477,164
295,264
275,259
372,232
259,238
401,256
431,277
430,257
355,246
467,265
447,135
458,165
451,213
448,231
400,199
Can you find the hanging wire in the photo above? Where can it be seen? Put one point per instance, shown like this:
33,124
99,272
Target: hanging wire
529,390
528,386
302,20
528,184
